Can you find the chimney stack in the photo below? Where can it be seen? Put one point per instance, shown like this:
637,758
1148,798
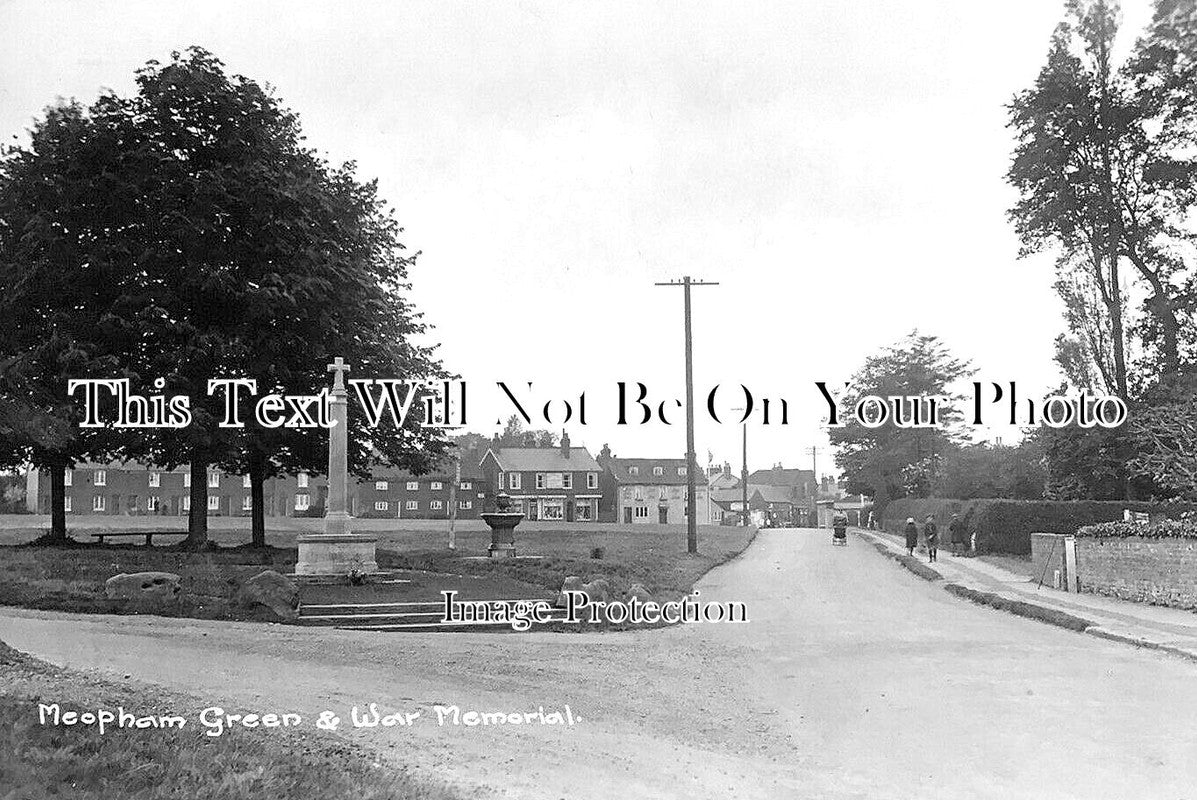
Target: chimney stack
564,444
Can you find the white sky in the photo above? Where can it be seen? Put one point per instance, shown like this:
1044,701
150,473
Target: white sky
836,166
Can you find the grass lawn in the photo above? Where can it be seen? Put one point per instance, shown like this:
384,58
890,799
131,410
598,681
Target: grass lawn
42,761
72,578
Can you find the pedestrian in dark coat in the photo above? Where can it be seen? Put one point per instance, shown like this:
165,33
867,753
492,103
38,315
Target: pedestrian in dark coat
912,535
958,535
931,533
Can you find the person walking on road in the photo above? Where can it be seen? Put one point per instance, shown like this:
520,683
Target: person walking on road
912,535
956,533
931,533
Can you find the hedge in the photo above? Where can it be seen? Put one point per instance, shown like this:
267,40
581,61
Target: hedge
1005,526
1163,529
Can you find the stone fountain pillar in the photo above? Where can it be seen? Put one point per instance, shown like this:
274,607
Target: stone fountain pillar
502,527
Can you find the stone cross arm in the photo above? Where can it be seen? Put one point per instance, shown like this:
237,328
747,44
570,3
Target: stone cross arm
339,367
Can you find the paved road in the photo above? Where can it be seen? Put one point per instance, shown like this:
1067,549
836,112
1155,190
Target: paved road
854,679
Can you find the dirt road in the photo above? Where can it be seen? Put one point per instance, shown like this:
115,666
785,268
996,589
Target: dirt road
853,679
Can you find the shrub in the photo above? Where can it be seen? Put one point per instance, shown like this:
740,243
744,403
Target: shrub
1163,529
1005,526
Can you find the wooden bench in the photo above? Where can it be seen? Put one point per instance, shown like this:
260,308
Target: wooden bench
149,535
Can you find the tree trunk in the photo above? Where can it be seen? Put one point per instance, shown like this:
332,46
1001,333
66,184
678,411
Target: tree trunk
197,517
257,480
57,469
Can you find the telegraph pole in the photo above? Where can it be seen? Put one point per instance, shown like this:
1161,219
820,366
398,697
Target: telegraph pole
814,467
744,469
453,502
691,461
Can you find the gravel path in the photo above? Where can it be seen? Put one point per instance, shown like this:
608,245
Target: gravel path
853,680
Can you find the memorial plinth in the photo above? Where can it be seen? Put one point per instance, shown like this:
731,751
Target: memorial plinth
502,528
337,551
336,554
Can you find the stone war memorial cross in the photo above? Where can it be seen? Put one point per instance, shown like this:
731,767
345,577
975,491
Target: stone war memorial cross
337,551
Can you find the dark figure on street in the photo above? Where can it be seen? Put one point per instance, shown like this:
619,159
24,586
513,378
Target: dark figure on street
958,535
931,532
912,535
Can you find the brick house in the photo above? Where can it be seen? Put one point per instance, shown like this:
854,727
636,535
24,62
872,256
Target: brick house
651,491
545,483
402,495
137,489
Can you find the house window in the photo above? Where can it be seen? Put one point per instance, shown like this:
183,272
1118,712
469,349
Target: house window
246,482
152,503
681,471
641,512
213,480
381,505
381,486
413,486
582,512
553,480
66,503
68,477
633,470
99,502
514,481
591,480
567,480
465,504
467,485
155,479
411,505
437,486
301,480
638,492
247,503
187,479
658,470
214,502
101,478
553,509
436,505
303,502
186,503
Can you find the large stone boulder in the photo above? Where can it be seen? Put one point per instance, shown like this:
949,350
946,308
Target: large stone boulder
572,584
144,587
598,590
274,591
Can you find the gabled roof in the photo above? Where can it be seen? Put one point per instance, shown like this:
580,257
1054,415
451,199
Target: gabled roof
542,459
724,480
772,494
783,477
622,470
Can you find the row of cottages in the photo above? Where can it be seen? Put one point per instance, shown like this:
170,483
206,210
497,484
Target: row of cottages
546,483
777,497
136,489
563,483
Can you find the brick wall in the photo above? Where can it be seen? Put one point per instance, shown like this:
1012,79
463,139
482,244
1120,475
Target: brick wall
1160,571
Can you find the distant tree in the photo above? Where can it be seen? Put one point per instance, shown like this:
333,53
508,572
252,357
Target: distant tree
515,435
875,461
992,470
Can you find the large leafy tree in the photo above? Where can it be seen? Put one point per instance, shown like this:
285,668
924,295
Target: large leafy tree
69,304
237,252
1105,172
876,461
